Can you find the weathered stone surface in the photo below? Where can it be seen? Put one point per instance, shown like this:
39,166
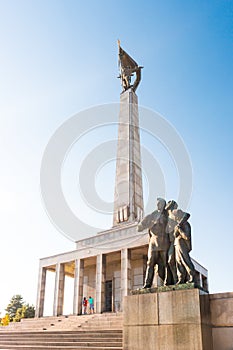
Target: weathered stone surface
182,307
222,338
141,310
169,320
165,337
207,338
182,337
222,309
136,338
128,198
205,309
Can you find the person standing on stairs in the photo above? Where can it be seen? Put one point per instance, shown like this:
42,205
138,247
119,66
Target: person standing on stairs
91,305
84,305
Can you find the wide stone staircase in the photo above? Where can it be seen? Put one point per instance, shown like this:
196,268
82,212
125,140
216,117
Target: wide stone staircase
93,332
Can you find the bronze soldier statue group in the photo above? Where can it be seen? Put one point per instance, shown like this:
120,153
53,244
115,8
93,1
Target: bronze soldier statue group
169,244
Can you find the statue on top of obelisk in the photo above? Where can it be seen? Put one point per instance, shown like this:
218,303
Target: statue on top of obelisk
127,68
128,195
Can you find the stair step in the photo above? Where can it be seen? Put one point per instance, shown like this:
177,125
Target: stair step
110,343
45,346
92,332
106,331
64,338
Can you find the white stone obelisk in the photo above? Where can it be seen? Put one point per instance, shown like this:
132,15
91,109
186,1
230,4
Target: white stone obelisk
128,198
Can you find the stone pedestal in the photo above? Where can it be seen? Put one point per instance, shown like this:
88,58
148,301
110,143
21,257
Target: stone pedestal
170,320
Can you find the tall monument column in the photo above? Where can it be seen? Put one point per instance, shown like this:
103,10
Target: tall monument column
128,198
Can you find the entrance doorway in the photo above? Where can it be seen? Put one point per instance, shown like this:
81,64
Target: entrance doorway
108,296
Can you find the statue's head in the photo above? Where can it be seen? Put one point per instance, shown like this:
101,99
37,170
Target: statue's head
161,204
171,205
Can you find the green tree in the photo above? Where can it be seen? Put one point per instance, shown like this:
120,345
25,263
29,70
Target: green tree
30,311
19,314
18,309
16,303
26,311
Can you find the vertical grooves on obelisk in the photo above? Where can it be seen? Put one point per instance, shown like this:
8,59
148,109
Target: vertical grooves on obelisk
128,201
131,179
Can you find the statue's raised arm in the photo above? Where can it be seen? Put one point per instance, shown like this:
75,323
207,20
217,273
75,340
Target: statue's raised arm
127,68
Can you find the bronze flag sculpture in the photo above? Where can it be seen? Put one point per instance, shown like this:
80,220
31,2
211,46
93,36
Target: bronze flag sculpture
128,67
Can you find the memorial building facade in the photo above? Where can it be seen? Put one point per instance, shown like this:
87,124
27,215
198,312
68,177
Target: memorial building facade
110,264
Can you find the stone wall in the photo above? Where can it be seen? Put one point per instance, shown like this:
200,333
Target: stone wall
113,273
221,306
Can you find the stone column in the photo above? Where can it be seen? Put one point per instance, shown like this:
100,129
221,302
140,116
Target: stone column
125,273
59,290
78,286
128,198
41,292
100,282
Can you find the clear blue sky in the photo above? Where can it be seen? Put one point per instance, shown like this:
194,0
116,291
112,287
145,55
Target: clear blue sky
60,57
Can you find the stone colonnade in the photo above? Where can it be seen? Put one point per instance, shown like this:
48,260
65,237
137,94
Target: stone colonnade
126,283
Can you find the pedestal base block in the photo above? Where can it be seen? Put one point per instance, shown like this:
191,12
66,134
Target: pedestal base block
171,320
